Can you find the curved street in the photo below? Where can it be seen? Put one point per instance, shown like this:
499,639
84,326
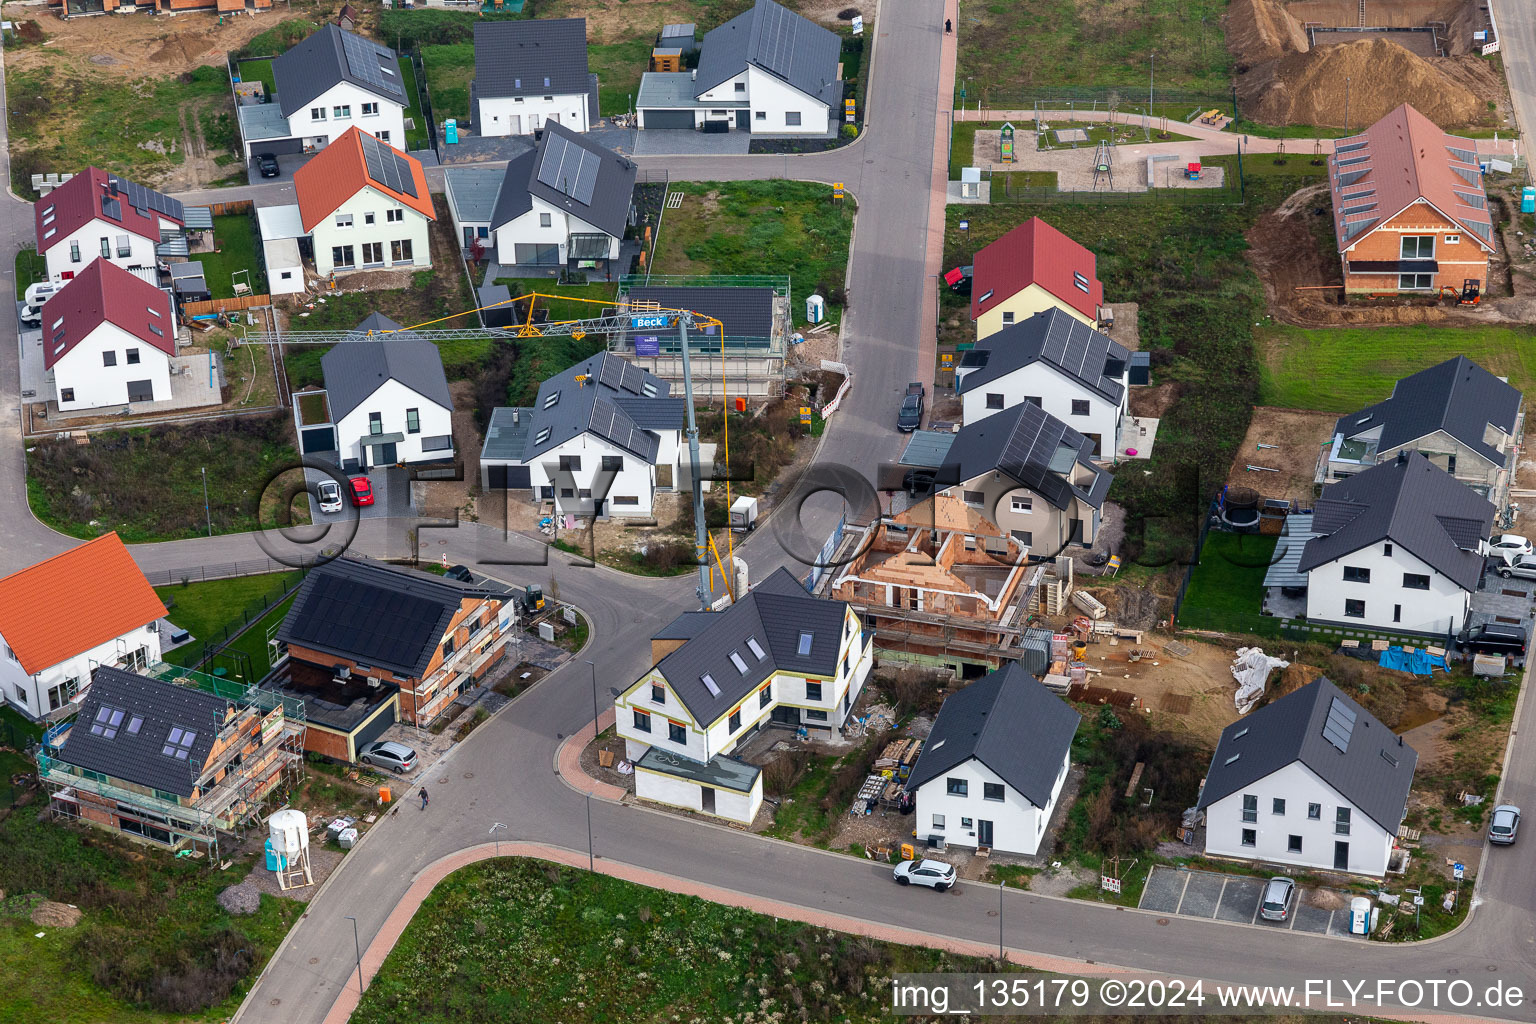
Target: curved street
507,771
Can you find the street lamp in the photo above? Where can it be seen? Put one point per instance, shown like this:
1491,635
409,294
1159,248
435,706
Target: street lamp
357,946
206,510
595,726
1000,921
494,828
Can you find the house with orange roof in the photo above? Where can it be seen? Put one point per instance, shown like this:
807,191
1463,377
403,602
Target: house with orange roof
365,205
1029,270
1409,210
67,616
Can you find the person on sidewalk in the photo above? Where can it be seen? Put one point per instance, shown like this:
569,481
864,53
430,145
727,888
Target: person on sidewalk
949,26
423,797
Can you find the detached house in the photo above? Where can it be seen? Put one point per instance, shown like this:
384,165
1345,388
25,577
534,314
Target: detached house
530,75
768,71
777,656
329,83
1398,547
369,643
1029,270
108,339
1457,414
388,399
96,214
365,205
1056,362
66,616
994,764
1310,779
601,438
1409,210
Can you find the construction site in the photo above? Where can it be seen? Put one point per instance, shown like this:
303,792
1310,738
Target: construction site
1347,63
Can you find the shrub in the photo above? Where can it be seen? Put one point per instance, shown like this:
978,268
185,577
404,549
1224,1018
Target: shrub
784,772
850,773
914,688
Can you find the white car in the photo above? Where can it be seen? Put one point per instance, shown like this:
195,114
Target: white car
1523,566
330,496
935,874
1510,546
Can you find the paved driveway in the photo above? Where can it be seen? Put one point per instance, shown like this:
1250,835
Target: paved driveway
669,142
1235,899
391,493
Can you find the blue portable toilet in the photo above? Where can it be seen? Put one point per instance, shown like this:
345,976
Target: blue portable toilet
275,861
451,131
1528,199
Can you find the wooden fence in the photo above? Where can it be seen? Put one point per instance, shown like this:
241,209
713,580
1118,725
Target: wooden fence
191,309
233,206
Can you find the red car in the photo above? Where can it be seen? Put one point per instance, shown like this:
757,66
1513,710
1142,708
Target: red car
362,491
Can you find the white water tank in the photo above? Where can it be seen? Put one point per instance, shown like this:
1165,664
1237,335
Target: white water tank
289,831
815,308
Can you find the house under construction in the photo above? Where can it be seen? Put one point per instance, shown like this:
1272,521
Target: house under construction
172,756
941,584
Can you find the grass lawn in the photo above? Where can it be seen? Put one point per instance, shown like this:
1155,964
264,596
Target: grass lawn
618,67
211,609
538,359
235,236
525,940
761,227
558,310
449,67
1227,581
1343,369
415,137
258,71
30,268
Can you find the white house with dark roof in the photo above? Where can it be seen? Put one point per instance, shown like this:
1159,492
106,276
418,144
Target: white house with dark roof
1463,418
567,201
777,656
100,215
1311,779
993,767
599,440
767,71
530,75
1398,547
1057,362
108,339
389,399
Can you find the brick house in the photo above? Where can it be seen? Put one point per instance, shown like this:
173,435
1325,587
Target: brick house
1409,210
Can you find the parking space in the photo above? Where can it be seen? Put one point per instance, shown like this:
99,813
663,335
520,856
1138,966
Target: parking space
391,492
1235,899
1503,601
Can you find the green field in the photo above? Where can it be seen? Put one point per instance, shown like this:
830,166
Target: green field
559,310
211,609
1226,587
449,67
1342,369
416,136
618,67
235,236
258,71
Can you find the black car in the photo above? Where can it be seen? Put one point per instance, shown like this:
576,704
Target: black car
1495,638
266,163
911,415
918,483
460,573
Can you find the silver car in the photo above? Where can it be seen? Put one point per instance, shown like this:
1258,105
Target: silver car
1504,825
935,874
330,496
397,757
1276,903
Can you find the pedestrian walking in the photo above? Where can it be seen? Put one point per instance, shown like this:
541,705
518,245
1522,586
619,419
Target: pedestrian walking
423,797
949,26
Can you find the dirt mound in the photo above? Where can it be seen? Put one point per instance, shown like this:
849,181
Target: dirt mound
1309,88
241,898
1132,607
49,914
1261,30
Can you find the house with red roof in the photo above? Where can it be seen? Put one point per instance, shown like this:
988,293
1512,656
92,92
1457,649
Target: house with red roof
67,616
108,339
1409,210
97,214
1029,270
365,205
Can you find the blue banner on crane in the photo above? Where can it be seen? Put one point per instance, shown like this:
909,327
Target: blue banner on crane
641,321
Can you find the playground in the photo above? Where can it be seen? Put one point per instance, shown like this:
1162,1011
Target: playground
1095,164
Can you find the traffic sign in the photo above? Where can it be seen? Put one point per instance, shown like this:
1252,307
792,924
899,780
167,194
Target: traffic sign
965,225
837,190
1458,870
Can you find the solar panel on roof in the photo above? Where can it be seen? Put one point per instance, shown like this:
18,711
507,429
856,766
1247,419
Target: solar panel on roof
111,208
569,168
367,62
1339,726
387,167
144,199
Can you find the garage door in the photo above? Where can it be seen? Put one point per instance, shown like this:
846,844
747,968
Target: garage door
277,147
318,439
667,118
506,478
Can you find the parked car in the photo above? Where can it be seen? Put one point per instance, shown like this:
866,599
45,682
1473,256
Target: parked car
1523,566
1495,638
911,415
1510,546
918,483
959,280
1504,824
266,163
1276,902
330,496
38,292
362,491
461,573
933,873
397,757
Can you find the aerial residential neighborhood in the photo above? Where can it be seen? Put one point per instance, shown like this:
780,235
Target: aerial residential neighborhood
553,511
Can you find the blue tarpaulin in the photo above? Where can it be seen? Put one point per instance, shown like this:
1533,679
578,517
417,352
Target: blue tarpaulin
1419,662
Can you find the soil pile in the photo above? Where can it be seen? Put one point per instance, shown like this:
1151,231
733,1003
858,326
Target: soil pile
1260,31
1309,88
49,914
241,898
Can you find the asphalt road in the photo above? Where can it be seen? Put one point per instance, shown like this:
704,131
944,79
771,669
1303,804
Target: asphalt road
506,770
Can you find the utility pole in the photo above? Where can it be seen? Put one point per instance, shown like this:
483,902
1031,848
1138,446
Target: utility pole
1346,108
1151,80
358,948
700,531
206,510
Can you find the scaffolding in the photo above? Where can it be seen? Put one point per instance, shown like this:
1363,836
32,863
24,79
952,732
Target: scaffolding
259,749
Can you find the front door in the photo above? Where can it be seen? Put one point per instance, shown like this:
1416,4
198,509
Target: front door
1341,856
707,799
141,391
516,121
743,120
385,454
983,832
1075,531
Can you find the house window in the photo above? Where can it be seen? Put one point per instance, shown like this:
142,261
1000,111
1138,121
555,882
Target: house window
1397,613
741,88
370,109
1250,807
1035,400
975,498
1293,844
1418,247
341,256
992,791
812,690
658,693
132,355
1250,837
106,248
1022,503
396,216
401,251
373,253
1079,407
67,395
1452,239
544,220
546,493
967,823
956,787
342,111
584,493
739,662
343,220
179,743
1007,318
761,115
368,218
107,721
734,722
1354,609
1355,574
804,647
317,113
626,499
765,696
1025,537
1341,821
74,252
1081,280
816,716
109,358
1415,282
375,423
612,463
1386,549
570,463
994,401
124,248
677,733
413,421
1415,581
792,117
1314,812
567,492
1278,806
938,821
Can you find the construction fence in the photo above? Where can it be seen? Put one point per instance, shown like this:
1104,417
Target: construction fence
239,302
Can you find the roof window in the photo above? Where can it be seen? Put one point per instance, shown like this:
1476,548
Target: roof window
157,330
805,644
153,310
710,684
1081,280
179,743
553,397
134,724
739,662
1234,757
541,436
1240,733
648,389
107,721
756,648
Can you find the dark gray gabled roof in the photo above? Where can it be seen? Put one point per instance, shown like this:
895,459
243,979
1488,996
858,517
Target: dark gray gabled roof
513,198
1457,396
139,757
615,396
1373,772
774,613
1032,447
777,41
377,615
354,370
1070,346
1008,722
744,312
522,58
572,172
332,56
1410,502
